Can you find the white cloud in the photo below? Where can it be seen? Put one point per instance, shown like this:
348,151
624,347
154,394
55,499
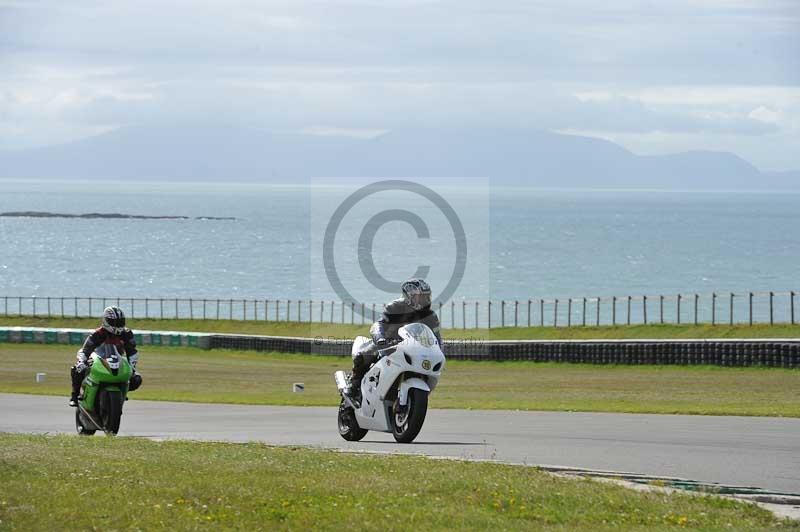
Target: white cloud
719,73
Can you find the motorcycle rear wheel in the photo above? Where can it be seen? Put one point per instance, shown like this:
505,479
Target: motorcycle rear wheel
80,427
407,424
348,426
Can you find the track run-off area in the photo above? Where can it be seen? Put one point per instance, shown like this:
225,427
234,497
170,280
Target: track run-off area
758,452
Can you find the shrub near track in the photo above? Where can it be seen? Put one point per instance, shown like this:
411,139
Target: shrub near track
186,374
51,483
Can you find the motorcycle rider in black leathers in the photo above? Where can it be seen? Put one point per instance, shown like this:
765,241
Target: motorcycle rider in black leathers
413,307
113,334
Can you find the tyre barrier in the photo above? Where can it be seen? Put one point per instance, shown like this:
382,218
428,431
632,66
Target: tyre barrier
780,353
41,335
783,353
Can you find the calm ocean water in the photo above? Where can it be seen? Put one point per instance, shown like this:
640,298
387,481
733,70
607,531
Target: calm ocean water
522,243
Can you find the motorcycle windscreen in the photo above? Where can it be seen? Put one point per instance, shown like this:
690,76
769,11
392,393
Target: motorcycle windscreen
420,333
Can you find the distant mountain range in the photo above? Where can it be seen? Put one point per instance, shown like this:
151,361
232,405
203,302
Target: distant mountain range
504,156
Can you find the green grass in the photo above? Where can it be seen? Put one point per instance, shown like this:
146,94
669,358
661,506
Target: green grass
507,333
187,374
52,483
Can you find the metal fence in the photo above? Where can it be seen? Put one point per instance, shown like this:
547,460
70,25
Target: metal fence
711,308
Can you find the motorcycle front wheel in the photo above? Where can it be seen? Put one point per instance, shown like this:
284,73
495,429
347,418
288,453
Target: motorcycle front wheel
407,421
111,412
348,426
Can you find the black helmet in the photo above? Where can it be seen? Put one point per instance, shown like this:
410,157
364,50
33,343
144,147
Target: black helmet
416,293
114,320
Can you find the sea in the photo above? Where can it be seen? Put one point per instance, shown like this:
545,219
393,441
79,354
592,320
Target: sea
474,242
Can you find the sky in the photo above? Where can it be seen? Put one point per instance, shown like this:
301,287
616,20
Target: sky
654,76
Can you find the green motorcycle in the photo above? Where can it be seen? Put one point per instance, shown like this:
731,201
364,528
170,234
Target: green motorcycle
103,393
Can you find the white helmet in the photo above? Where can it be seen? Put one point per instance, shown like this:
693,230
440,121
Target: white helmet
114,320
416,293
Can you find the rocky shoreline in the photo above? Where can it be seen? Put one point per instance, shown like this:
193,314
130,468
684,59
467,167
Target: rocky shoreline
100,215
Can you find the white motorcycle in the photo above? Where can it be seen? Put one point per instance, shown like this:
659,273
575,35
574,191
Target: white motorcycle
394,391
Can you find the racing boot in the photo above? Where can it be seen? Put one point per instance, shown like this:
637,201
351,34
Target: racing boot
354,390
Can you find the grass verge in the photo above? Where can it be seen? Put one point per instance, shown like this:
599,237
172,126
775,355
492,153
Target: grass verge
312,330
187,374
49,483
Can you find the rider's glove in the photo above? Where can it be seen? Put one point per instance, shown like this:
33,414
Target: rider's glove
80,363
133,360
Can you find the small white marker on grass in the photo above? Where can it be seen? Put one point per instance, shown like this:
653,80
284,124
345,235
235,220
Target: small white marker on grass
40,377
298,387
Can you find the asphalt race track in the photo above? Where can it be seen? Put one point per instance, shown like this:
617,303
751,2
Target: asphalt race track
742,451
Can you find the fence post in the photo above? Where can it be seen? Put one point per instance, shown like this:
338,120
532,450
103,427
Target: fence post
342,316
750,312
161,308
791,306
146,307
644,309
569,312
555,314
679,309
362,314
583,313
19,305
503,313
5,305
373,312
661,307
541,312
529,313
614,311
696,298
75,302
90,308
353,306
299,304
713,308
477,309
731,309
597,313
62,307
628,317
489,313
191,308
333,307
771,298
452,314
48,308
463,314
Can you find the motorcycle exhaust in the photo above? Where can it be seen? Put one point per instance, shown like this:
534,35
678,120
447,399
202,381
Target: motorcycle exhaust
341,380
88,417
